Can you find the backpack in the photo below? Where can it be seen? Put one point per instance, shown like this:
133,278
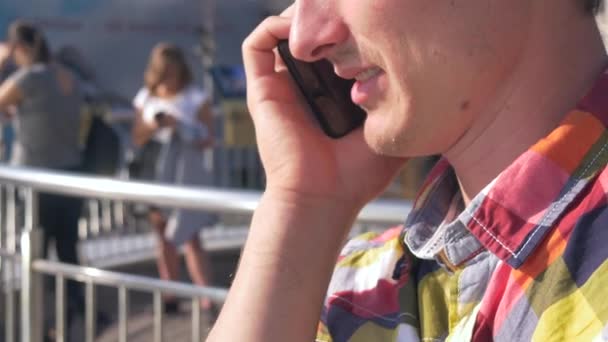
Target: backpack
102,148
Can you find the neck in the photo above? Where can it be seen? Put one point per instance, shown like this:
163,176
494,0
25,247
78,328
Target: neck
165,92
563,57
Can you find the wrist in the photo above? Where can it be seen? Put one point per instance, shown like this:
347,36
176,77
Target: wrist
337,203
299,202
294,242
292,224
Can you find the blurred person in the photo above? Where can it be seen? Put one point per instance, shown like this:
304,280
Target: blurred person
74,60
174,121
101,141
506,240
44,102
6,127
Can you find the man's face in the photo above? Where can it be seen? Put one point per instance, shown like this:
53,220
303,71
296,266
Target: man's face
425,69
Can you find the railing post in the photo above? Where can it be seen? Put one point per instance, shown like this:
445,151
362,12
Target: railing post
32,308
158,316
123,313
2,216
94,224
7,265
196,319
90,312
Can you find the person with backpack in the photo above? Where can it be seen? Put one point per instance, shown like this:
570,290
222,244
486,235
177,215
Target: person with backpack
43,100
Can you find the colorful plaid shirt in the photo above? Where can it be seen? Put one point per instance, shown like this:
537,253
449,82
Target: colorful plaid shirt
526,260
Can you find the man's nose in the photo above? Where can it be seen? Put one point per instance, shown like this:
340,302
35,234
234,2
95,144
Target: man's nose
317,28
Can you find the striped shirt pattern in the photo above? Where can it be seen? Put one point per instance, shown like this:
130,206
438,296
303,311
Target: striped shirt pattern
526,260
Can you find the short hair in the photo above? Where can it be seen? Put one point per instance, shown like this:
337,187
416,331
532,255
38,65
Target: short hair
30,36
163,59
593,6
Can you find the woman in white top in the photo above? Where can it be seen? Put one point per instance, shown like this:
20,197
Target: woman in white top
175,115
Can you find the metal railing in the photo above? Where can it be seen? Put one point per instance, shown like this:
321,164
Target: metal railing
210,199
27,253
124,283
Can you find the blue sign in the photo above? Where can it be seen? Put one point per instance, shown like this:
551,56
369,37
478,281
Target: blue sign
230,80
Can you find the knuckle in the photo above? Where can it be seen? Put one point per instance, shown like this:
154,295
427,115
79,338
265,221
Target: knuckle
268,20
261,29
246,44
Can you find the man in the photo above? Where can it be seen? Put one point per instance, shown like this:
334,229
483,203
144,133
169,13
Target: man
505,241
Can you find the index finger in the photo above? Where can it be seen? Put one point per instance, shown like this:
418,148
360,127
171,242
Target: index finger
288,12
258,54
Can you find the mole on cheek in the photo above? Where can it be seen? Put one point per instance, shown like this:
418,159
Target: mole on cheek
464,105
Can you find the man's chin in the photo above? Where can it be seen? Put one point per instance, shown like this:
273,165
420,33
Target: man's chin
394,146
383,145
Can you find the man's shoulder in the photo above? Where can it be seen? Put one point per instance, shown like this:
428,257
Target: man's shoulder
585,227
591,206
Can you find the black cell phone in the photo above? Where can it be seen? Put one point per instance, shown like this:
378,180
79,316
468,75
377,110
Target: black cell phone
327,94
160,117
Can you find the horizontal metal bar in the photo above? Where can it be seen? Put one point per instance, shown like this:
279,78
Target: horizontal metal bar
211,199
102,187
9,255
385,211
115,279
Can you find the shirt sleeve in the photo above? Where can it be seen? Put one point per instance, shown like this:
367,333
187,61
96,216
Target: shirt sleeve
141,98
197,97
22,78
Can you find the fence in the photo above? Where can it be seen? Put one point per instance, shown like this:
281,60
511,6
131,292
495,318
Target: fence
25,184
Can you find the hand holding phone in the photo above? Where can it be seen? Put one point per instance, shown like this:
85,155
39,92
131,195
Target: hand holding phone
326,93
164,120
291,143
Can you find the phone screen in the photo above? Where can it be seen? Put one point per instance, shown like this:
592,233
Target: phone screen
327,94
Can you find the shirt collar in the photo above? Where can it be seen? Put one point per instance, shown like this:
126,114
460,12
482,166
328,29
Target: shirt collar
512,214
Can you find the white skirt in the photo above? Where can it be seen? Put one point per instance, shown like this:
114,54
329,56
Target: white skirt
181,163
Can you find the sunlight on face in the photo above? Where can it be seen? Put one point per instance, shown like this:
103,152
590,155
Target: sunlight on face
424,69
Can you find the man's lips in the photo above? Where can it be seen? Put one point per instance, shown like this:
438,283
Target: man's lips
367,87
366,81
358,73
